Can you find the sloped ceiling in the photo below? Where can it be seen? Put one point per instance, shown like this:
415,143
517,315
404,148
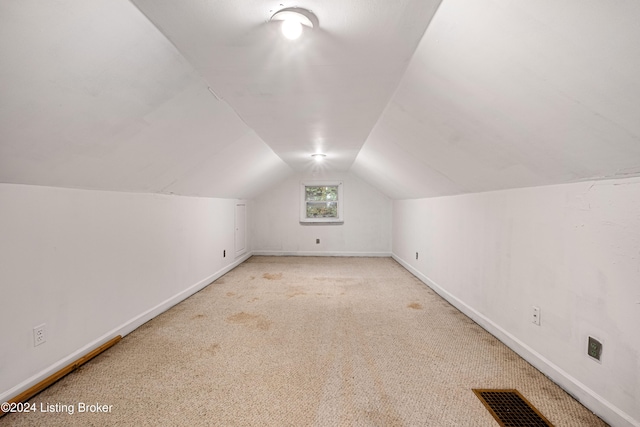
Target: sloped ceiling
322,93
114,95
504,94
94,96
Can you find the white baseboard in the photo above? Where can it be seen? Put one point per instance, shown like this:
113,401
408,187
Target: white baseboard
320,253
123,330
587,397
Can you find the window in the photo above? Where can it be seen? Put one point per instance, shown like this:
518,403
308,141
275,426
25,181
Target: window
321,202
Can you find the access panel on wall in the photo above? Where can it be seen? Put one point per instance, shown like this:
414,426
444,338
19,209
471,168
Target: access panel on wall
241,228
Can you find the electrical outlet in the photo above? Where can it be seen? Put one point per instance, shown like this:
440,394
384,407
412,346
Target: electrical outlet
416,255
39,334
594,349
317,241
535,315
224,253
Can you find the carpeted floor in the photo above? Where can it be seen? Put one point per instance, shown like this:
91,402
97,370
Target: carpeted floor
302,341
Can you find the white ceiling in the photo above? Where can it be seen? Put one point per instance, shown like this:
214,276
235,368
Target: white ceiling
94,96
495,94
321,93
503,94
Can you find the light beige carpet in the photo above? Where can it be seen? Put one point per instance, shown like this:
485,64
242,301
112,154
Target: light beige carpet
297,341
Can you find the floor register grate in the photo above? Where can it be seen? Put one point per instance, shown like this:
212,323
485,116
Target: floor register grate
510,408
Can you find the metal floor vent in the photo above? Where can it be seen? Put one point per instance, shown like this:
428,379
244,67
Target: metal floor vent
510,408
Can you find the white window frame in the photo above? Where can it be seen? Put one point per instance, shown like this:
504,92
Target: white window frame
303,202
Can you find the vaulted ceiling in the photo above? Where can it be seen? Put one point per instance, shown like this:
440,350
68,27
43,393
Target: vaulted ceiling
420,98
503,94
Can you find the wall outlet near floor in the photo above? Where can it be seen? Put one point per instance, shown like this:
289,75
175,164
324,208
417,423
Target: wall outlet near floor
594,349
224,253
317,241
416,255
535,315
39,334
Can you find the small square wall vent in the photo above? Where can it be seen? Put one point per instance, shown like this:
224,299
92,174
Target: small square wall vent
594,349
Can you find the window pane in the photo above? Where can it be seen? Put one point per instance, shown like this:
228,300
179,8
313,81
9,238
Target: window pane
322,209
313,193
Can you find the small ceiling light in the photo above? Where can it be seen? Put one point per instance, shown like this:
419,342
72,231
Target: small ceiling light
291,29
318,157
293,19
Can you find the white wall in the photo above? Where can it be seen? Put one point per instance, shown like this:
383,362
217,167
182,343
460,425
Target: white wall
95,264
573,250
276,228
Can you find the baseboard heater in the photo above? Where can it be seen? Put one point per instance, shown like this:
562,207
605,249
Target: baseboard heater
30,392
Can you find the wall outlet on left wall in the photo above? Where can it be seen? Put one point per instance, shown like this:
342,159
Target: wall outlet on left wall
39,334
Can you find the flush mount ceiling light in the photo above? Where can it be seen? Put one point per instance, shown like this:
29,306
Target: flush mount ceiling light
294,19
318,157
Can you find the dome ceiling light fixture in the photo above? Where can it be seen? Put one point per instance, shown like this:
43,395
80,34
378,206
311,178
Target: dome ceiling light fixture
294,19
318,157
